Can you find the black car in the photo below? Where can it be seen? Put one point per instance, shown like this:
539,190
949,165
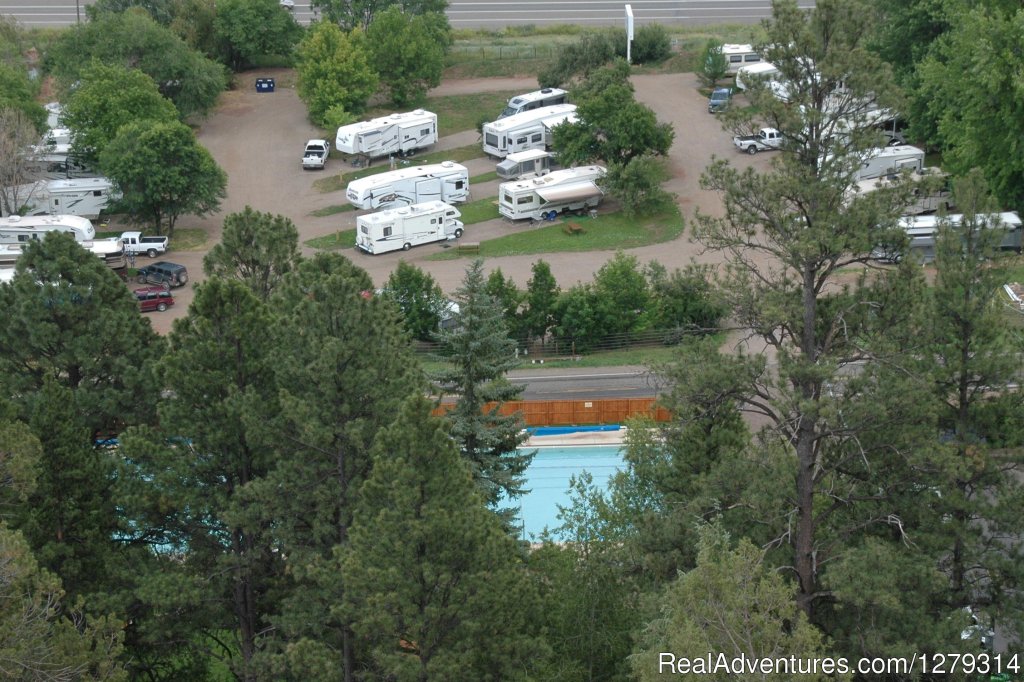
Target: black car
163,273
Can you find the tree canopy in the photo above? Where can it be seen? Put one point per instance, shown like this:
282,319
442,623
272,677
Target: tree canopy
254,28
407,51
334,70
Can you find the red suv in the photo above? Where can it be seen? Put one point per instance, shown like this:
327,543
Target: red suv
154,298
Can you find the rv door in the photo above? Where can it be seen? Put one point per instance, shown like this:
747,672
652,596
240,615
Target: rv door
428,189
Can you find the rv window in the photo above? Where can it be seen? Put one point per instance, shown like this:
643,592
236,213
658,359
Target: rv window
425,132
520,140
458,184
491,139
97,193
751,58
735,58
387,231
433,221
536,137
507,198
362,228
528,199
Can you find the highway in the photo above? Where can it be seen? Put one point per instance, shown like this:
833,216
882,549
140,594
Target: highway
482,13
586,384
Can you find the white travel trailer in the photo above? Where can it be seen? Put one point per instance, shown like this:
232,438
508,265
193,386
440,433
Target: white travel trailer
544,198
404,228
528,164
759,70
446,181
85,197
111,251
399,134
529,130
922,232
891,161
547,97
739,56
18,229
931,192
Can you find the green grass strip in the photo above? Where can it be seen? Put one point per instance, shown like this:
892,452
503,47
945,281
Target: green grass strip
345,239
336,183
332,210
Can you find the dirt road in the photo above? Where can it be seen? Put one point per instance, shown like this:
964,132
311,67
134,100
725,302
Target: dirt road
257,138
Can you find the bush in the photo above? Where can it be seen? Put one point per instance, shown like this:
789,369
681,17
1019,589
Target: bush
651,44
713,64
589,53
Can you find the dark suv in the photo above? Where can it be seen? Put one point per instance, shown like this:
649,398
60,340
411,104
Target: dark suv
719,100
154,298
166,274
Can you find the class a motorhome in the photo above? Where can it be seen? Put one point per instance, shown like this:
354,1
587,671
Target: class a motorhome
922,232
447,181
522,165
406,227
738,56
398,134
546,97
525,131
544,198
85,197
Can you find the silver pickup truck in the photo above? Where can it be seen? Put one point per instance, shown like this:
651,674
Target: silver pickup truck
766,138
315,156
135,243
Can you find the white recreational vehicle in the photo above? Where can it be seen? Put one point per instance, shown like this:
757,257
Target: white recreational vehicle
85,197
544,198
446,181
403,228
931,191
529,130
923,230
17,229
884,161
738,56
546,97
399,134
111,251
528,164
760,70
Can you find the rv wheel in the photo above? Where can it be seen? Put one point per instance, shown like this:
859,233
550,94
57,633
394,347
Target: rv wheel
458,233
151,253
406,246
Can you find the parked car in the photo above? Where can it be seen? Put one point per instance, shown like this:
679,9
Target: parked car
135,243
766,138
288,4
163,273
719,100
154,298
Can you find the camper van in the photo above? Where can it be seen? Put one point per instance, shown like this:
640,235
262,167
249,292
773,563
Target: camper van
406,227
529,130
18,229
745,75
399,134
548,97
446,181
738,56
529,164
922,232
544,198
85,197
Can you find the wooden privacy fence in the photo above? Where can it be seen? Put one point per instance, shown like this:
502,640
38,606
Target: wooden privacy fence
577,412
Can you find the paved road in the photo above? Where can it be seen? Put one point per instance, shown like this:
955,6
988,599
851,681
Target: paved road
587,383
482,13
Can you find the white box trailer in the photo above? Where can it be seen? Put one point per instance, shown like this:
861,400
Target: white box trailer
544,198
529,164
447,181
528,130
923,230
545,97
399,134
406,227
890,161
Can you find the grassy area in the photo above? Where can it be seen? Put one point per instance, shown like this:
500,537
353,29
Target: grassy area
604,233
332,210
479,210
336,183
484,177
344,239
456,113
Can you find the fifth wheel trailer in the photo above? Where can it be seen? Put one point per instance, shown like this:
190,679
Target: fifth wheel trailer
528,130
399,134
544,198
923,230
85,197
403,228
446,181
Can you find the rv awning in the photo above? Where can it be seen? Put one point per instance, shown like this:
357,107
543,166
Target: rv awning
576,190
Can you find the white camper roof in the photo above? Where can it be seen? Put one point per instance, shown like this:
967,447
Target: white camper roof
48,221
736,48
411,210
897,150
411,117
527,118
528,155
520,100
87,184
1008,219
403,173
558,177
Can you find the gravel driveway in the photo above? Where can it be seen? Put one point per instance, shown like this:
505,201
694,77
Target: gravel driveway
258,138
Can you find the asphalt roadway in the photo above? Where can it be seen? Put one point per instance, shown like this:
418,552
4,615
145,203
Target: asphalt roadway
482,13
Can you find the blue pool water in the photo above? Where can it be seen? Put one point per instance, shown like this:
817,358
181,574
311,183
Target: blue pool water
547,479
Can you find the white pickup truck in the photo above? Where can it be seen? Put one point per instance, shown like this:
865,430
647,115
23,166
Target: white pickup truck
315,156
135,243
766,138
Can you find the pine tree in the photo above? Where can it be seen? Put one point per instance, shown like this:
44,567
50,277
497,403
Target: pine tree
437,590
479,353
257,248
541,300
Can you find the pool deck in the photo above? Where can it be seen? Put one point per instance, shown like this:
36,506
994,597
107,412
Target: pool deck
579,438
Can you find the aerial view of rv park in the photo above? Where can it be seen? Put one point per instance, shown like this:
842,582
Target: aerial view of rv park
566,341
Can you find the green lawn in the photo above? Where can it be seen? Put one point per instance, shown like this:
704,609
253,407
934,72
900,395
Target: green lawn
344,239
479,210
604,233
456,113
484,177
336,183
332,210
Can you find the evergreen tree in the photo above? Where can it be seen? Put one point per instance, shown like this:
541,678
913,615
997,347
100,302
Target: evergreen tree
479,353
256,248
541,299
508,297
437,590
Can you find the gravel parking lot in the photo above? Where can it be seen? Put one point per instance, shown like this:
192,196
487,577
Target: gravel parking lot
257,138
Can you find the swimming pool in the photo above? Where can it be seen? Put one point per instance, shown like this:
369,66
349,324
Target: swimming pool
547,479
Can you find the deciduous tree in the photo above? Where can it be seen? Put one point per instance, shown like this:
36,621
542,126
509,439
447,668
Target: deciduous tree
163,173
419,298
18,93
334,70
350,14
541,299
407,51
17,160
254,28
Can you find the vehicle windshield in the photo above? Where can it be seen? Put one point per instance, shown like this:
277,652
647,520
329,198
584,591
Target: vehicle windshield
507,111
720,94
